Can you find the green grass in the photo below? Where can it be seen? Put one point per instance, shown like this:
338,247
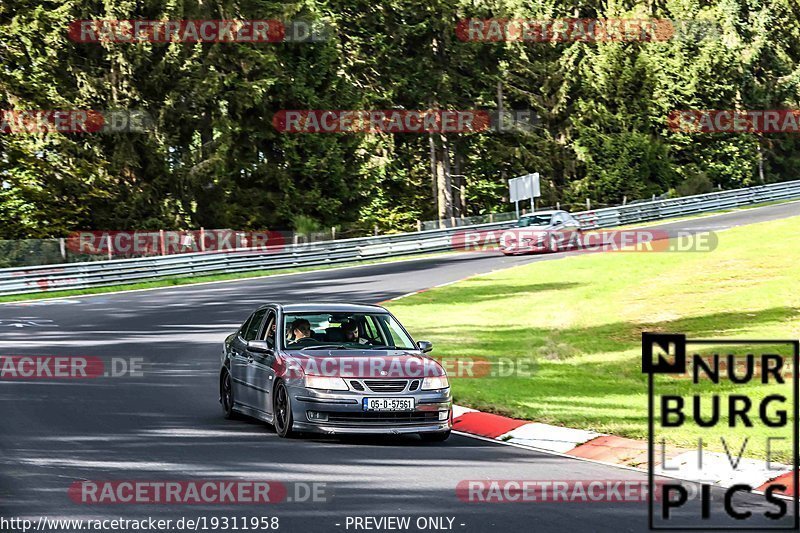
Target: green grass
580,320
187,280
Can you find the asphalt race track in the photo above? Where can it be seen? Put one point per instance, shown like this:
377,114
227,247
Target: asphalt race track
168,425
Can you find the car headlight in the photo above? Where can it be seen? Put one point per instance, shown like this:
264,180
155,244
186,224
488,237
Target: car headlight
435,382
323,382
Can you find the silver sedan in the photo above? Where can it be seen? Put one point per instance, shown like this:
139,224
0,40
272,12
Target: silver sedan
334,369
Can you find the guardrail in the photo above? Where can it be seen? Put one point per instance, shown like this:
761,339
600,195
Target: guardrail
105,273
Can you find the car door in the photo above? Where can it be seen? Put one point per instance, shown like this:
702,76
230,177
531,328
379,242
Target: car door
572,229
239,363
557,228
263,372
242,362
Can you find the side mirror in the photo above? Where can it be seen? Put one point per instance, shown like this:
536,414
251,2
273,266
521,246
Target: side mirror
259,346
425,346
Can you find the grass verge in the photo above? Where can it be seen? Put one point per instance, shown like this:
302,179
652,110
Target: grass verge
580,319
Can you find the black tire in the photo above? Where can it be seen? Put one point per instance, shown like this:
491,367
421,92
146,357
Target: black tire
438,436
282,408
226,395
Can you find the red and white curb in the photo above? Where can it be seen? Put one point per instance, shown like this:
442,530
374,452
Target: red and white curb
631,453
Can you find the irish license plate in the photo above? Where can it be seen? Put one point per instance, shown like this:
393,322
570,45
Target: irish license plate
388,404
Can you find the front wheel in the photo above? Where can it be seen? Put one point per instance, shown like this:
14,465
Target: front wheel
438,436
226,395
283,411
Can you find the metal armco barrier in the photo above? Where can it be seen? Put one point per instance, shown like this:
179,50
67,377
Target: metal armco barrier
105,273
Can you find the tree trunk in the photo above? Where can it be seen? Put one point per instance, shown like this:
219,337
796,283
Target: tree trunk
444,184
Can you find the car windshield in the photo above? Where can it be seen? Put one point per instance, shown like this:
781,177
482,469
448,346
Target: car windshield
312,331
534,220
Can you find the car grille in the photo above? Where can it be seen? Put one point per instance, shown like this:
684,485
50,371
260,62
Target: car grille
377,418
386,385
356,385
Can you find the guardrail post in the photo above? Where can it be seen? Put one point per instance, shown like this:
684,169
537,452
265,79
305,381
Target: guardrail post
333,233
108,244
375,228
491,218
419,225
588,205
202,239
62,246
161,242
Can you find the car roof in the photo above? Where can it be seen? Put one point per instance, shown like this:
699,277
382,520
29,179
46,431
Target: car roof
329,307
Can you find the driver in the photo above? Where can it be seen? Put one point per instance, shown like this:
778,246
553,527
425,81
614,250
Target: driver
350,330
301,329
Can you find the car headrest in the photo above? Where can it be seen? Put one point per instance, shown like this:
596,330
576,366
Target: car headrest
334,334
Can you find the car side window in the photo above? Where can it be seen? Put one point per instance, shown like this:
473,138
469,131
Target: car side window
243,329
251,332
269,330
371,329
395,336
556,219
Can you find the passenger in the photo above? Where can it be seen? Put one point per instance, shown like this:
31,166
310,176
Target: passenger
301,329
350,330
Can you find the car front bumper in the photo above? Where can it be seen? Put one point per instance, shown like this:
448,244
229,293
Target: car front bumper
345,415
523,249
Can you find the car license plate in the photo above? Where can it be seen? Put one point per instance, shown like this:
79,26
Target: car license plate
388,404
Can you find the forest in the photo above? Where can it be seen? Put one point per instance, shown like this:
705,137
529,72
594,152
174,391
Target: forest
598,114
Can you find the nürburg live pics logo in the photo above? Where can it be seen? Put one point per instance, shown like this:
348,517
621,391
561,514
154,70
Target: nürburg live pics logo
723,414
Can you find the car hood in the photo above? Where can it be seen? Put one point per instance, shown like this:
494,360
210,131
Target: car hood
531,232
370,364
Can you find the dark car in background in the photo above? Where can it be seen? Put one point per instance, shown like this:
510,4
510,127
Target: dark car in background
357,371
542,231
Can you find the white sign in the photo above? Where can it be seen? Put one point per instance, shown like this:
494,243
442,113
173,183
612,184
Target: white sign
524,187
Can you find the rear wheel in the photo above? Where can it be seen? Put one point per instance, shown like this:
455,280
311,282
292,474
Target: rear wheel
226,395
283,411
438,436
